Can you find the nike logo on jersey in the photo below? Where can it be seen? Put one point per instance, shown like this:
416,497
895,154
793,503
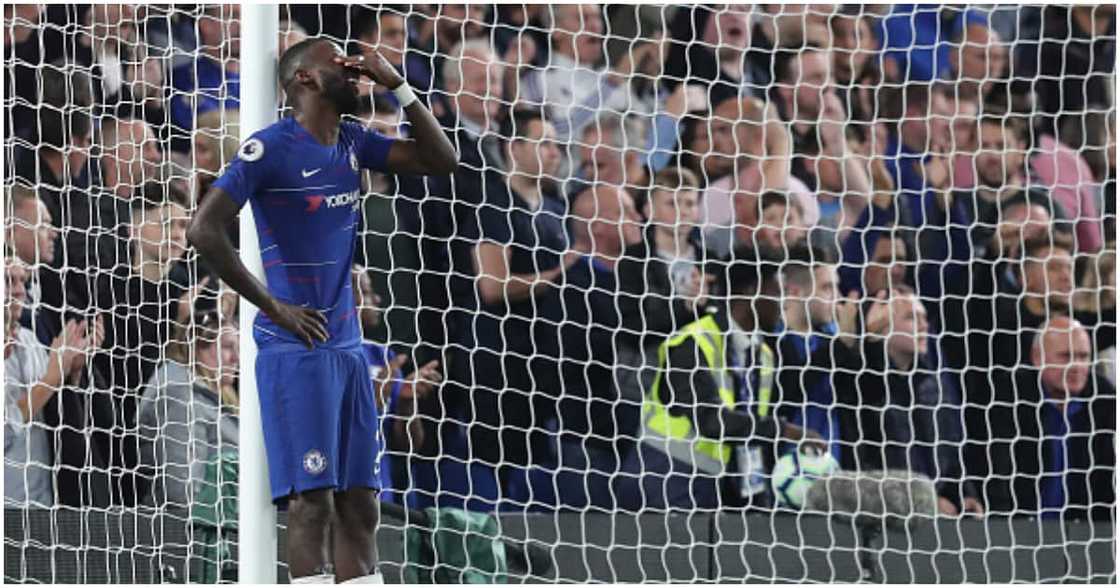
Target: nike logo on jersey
308,174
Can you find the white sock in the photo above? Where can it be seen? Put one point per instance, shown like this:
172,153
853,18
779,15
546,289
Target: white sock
374,578
317,579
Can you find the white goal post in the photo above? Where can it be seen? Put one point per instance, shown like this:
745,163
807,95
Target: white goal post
257,529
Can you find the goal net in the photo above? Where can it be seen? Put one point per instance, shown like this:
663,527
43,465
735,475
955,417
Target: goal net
798,293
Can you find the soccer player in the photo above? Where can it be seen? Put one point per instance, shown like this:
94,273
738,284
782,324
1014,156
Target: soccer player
301,176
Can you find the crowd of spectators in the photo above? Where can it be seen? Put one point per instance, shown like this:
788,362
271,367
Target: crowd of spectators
900,219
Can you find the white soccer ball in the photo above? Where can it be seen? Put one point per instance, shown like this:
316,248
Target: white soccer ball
795,472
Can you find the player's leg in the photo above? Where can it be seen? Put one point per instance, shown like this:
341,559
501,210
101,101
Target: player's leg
309,522
355,537
300,408
355,502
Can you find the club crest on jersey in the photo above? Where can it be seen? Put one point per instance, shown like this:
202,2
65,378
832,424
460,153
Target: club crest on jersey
314,463
251,150
353,161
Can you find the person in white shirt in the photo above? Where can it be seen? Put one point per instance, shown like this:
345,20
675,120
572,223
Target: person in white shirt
32,375
575,85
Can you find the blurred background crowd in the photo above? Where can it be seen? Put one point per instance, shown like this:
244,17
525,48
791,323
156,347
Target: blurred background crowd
925,193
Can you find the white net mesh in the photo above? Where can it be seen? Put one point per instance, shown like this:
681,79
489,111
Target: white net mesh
679,239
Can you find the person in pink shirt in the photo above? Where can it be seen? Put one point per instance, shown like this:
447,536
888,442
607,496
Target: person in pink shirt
1071,185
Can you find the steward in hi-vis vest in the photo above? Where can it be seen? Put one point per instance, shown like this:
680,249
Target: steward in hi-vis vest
710,407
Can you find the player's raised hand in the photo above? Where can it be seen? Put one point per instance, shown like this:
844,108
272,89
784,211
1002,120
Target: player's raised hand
376,68
308,324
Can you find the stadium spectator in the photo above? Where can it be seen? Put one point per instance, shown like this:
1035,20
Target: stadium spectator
22,59
1069,70
188,410
34,240
521,259
979,59
213,79
600,411
688,403
919,117
1053,451
604,224
961,223
130,156
790,27
140,300
34,373
1071,183
853,45
609,152
1094,299
914,42
896,412
738,154
1001,165
802,339
574,87
1047,283
108,44
32,237
663,281
717,48
805,99
397,396
387,29
780,226
450,207
1002,327
886,267
61,138
437,29
216,138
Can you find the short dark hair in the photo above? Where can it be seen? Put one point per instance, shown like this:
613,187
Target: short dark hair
895,100
772,198
745,271
517,123
63,105
802,259
1045,242
1006,120
292,60
675,178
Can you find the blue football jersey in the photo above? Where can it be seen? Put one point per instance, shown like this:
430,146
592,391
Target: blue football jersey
306,200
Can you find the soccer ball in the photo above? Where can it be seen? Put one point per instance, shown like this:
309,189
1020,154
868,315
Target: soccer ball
795,472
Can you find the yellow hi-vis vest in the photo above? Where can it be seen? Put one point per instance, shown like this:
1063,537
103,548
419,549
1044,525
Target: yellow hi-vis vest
676,435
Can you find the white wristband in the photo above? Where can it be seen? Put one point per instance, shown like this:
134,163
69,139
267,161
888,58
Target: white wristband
404,94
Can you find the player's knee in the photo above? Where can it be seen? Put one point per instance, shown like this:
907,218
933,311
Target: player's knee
311,509
357,509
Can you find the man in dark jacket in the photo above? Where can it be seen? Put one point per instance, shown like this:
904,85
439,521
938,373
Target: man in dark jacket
1053,451
898,415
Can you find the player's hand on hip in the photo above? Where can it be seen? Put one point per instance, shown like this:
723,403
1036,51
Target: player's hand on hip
373,66
308,324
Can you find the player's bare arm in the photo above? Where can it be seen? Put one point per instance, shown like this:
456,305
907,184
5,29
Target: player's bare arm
209,236
429,152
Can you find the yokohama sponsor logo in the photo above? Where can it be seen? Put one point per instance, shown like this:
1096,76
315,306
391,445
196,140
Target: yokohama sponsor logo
332,201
